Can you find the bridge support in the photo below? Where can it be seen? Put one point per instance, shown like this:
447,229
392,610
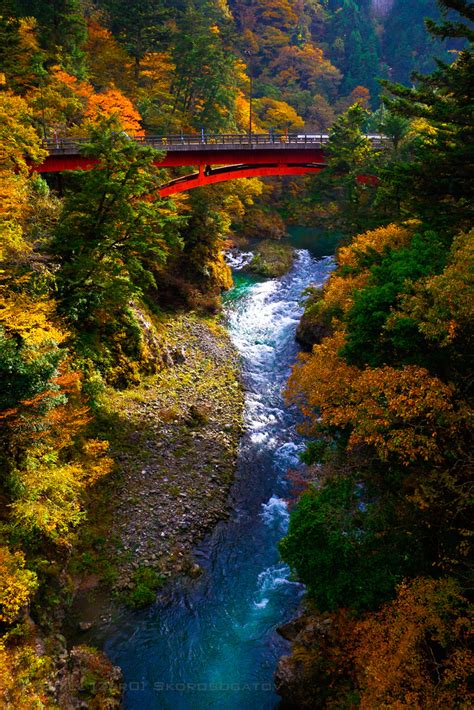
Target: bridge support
207,176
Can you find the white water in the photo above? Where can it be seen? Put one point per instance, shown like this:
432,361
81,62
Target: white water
213,643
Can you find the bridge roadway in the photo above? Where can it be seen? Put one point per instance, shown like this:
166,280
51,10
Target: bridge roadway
236,155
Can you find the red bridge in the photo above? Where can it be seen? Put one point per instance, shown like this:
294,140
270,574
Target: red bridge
217,157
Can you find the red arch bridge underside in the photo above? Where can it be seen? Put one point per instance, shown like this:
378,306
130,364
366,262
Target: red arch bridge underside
215,166
232,172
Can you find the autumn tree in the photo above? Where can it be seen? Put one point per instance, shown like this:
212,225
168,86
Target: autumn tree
277,116
416,651
108,62
43,414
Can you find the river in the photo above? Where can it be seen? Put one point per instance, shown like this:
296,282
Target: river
212,642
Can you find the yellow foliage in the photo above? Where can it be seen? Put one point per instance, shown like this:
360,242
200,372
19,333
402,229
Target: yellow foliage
108,62
13,195
443,305
157,68
19,141
33,321
338,292
422,127
50,502
96,462
12,241
378,240
23,677
277,115
17,585
242,114
221,275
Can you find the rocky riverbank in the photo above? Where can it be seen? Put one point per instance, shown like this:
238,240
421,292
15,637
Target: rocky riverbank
174,438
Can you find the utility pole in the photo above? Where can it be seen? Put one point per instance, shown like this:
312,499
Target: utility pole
250,105
41,73
249,66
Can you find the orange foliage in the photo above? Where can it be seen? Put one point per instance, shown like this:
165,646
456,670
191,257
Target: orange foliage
415,652
359,95
280,14
404,412
68,103
305,66
112,103
339,291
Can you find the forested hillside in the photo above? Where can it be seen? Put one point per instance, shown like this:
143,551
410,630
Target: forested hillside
95,265
382,535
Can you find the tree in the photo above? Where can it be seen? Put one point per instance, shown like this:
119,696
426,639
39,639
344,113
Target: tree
353,44
113,234
373,335
406,45
436,183
17,585
62,30
415,652
342,200
204,89
113,104
140,25
348,546
20,54
277,115
108,62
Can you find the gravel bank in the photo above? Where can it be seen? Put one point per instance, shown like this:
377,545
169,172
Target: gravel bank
175,440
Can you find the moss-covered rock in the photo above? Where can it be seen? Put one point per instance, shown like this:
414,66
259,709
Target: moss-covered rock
272,259
315,324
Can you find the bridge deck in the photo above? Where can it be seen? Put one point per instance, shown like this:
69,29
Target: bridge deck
198,142
242,155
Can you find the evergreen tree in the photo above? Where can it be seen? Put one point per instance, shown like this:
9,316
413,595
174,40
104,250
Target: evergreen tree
139,25
406,45
62,29
353,45
205,86
345,200
112,234
435,184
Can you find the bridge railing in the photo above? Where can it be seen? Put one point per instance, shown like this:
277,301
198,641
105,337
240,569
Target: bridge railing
68,146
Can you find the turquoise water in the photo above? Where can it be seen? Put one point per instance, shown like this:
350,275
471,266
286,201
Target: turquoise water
316,241
212,642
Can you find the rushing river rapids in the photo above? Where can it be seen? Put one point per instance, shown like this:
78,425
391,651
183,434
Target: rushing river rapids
211,643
